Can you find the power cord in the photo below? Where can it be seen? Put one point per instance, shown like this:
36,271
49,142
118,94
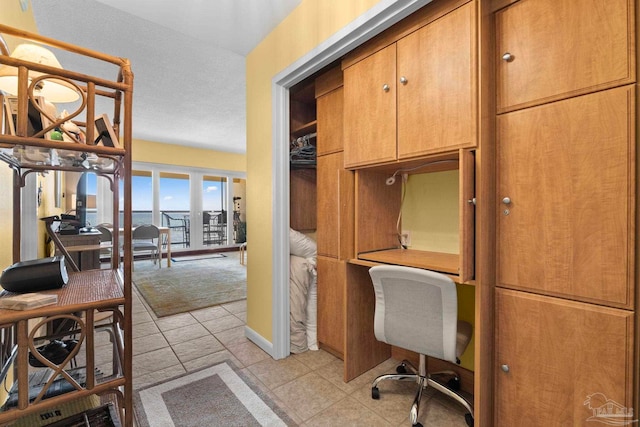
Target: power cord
405,178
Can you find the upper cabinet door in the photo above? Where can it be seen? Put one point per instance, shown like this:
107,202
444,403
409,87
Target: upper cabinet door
436,75
330,129
549,49
370,109
567,199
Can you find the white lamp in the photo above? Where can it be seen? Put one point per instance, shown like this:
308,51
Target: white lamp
53,89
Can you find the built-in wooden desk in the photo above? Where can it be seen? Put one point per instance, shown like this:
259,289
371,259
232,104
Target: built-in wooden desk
436,261
362,350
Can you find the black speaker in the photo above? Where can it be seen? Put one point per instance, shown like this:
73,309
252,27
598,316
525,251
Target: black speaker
35,275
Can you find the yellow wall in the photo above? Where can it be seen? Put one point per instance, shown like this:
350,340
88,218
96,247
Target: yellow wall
156,152
312,22
430,211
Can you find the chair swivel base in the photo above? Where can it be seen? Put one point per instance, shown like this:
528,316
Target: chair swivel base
423,382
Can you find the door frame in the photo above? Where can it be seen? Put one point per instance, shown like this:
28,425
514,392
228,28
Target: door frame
375,20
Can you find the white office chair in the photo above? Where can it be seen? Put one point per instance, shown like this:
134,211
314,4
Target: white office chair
145,238
418,310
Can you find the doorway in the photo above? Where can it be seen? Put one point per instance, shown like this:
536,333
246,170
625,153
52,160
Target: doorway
375,20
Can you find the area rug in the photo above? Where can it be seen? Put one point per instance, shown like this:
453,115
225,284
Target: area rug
192,285
219,395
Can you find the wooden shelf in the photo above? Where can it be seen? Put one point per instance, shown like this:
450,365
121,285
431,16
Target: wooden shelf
436,261
304,129
85,290
52,155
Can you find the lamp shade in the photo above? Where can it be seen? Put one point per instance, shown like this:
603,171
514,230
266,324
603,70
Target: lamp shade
53,89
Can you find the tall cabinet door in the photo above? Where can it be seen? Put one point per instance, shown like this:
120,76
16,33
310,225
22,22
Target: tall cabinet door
335,208
436,74
559,361
370,109
331,304
567,198
556,48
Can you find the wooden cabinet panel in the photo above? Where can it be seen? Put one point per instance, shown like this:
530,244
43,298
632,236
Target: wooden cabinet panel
562,48
568,170
330,110
362,350
332,278
335,219
303,199
558,354
370,110
436,106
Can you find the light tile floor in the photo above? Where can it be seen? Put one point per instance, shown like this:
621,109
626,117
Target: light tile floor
307,386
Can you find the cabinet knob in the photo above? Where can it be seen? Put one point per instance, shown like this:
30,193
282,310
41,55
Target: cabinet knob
505,368
385,88
506,200
508,57
403,80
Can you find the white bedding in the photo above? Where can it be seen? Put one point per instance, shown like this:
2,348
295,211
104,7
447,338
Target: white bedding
302,292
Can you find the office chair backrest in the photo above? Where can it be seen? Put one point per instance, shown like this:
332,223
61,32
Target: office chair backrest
416,309
145,232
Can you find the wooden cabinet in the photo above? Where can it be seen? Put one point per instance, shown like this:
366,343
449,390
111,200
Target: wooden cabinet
552,355
370,97
335,208
436,76
419,92
302,187
567,199
335,232
331,304
548,49
566,212
330,110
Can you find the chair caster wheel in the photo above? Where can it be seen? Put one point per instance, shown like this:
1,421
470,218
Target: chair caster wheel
417,425
469,419
454,384
375,393
401,369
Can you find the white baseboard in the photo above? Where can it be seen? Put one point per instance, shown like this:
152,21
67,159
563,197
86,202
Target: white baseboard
259,340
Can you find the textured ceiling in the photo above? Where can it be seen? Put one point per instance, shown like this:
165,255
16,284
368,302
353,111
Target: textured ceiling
188,59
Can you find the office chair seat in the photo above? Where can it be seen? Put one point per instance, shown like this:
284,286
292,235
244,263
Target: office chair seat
417,310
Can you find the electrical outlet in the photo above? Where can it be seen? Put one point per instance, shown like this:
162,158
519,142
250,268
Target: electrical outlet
405,238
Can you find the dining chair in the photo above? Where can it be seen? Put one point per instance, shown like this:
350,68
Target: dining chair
145,239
